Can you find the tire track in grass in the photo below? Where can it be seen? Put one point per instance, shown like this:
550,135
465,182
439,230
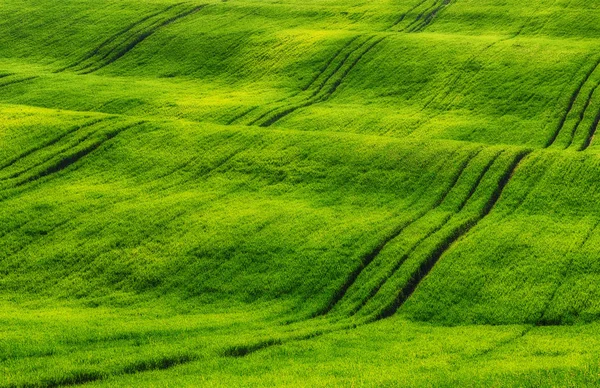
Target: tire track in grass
320,86
571,103
67,159
133,36
317,96
588,101
247,349
404,15
439,227
370,257
329,63
592,133
13,81
543,320
83,376
41,163
502,344
52,141
322,73
420,17
114,37
432,15
427,265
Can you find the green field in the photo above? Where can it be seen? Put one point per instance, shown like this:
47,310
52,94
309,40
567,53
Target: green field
294,193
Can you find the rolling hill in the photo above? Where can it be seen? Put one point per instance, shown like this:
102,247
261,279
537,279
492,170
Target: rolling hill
285,193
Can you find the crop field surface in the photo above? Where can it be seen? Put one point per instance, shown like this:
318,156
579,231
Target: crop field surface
259,193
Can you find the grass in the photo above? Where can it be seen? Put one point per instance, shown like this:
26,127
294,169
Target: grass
275,193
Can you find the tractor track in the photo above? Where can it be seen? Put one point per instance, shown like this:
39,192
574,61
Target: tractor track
121,43
116,36
18,80
330,91
571,103
371,256
439,227
51,142
427,265
70,159
542,320
320,86
432,15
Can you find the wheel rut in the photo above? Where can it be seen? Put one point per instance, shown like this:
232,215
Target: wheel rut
51,142
327,86
121,43
571,104
426,266
372,255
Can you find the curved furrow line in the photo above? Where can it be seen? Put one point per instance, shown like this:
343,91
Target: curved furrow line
404,15
439,227
429,263
571,103
330,62
420,16
116,36
52,141
588,101
320,84
543,320
591,134
370,257
339,66
41,163
241,115
18,80
431,16
329,91
66,160
118,52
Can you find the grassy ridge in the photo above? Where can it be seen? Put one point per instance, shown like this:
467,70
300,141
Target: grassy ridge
374,193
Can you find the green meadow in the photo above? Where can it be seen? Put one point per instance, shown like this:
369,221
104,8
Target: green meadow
258,193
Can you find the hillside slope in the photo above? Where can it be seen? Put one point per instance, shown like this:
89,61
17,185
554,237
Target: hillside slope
270,193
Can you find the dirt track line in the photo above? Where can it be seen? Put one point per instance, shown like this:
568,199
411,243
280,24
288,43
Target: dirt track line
427,265
339,66
287,110
571,104
329,92
114,55
41,163
591,134
404,15
542,320
582,115
116,36
338,82
316,97
370,257
419,17
51,142
70,159
407,254
329,63
431,16
83,376
19,80
241,115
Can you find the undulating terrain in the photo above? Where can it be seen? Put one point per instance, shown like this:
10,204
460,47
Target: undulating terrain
299,193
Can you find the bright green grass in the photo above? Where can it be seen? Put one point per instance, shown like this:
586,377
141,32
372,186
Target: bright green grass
284,193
